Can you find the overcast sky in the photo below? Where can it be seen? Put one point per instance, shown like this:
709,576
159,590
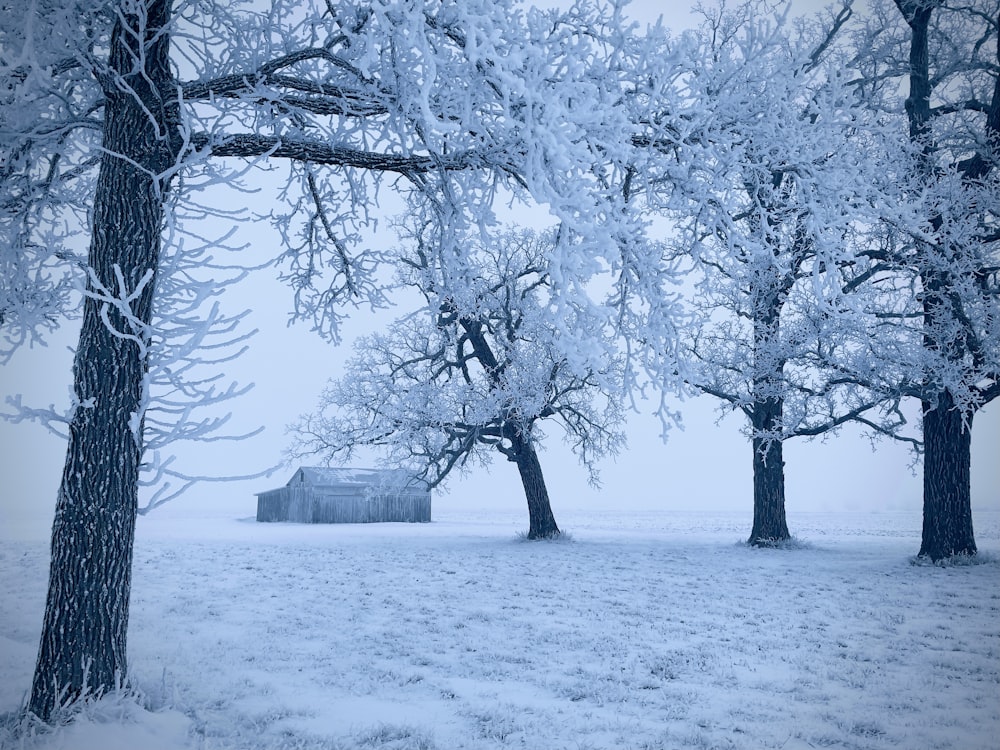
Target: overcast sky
707,466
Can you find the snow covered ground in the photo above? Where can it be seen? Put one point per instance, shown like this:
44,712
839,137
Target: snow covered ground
652,630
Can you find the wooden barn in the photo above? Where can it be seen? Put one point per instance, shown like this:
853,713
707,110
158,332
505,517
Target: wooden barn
324,495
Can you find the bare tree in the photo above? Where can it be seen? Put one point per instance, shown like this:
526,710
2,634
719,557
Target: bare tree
476,370
773,191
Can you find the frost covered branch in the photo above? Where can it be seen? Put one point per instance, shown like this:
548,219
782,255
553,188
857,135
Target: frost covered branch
476,370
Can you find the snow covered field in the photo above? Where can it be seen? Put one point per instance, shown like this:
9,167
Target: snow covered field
641,631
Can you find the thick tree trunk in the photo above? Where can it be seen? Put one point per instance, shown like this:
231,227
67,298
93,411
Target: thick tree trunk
542,524
769,525
947,481
82,648
947,432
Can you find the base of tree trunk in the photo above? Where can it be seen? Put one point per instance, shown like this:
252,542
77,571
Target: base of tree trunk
82,650
947,527
546,534
542,523
770,529
768,542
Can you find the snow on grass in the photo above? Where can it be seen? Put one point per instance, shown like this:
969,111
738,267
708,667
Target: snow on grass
641,631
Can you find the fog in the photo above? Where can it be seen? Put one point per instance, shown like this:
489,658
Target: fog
704,466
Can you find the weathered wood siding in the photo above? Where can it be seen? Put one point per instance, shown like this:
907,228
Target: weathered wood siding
311,505
273,505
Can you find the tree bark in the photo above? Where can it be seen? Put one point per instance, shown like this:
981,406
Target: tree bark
947,529
541,521
83,643
767,412
769,524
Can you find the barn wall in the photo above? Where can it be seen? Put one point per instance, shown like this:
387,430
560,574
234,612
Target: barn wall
371,509
286,504
272,505
300,504
306,505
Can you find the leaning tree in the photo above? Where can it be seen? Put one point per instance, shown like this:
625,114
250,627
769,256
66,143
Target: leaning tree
474,371
111,110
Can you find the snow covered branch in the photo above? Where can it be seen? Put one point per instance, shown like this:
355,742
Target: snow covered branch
477,369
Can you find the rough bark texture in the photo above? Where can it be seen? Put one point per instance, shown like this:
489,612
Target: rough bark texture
83,642
947,433
767,413
542,524
769,525
947,527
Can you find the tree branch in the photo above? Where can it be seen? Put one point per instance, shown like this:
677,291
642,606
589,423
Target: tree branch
250,145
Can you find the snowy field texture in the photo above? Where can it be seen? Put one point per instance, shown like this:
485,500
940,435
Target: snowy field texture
640,631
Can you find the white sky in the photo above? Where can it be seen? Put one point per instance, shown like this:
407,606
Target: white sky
707,466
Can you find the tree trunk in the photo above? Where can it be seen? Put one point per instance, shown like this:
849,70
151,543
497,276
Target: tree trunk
83,642
769,525
947,481
542,524
947,432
